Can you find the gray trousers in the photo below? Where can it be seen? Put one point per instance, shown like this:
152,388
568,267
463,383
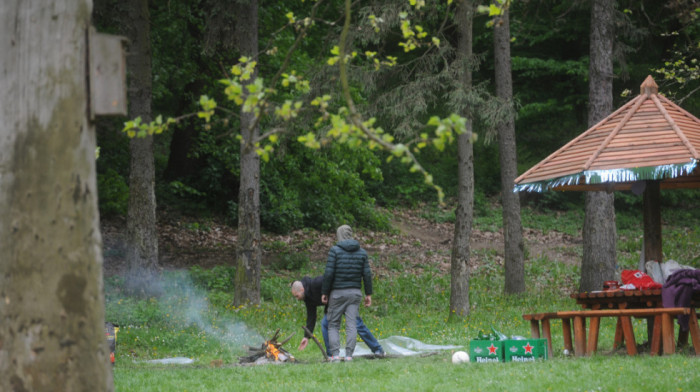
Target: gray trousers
343,302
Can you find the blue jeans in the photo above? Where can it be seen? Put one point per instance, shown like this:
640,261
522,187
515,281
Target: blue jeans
362,330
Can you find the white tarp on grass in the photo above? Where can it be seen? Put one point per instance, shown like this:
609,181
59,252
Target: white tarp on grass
400,346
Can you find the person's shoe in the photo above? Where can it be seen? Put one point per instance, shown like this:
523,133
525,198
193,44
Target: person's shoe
379,353
334,359
348,359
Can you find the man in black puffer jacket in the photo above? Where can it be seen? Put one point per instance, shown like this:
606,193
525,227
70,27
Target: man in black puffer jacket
346,270
309,290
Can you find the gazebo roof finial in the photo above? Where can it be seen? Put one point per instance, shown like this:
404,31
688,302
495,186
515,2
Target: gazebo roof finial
649,87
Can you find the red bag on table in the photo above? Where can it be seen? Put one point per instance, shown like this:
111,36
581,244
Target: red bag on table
639,279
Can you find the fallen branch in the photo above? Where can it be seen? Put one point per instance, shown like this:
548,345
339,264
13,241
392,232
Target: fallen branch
323,351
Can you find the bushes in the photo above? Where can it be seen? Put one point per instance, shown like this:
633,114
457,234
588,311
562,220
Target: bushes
319,189
218,278
114,193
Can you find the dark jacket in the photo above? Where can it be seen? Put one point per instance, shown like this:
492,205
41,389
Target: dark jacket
347,267
678,291
312,300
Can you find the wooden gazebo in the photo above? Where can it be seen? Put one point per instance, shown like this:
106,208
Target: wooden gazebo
646,145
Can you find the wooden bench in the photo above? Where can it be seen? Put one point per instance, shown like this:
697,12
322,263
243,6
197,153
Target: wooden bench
663,328
543,318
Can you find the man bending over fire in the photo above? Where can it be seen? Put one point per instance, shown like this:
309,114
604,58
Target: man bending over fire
309,291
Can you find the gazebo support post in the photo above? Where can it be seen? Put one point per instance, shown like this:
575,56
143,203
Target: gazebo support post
652,221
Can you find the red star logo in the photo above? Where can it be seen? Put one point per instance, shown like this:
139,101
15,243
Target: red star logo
528,348
492,349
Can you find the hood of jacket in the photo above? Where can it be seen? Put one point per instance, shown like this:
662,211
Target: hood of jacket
349,245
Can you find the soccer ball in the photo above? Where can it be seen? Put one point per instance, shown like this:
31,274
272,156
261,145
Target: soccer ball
459,357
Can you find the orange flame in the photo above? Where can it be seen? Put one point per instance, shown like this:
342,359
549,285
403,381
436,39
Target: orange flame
272,352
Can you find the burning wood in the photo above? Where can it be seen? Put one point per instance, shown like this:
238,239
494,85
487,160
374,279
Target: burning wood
270,351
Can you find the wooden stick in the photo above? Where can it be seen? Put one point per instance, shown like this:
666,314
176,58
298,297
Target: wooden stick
286,340
323,351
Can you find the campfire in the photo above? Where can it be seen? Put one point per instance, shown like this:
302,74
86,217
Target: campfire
270,351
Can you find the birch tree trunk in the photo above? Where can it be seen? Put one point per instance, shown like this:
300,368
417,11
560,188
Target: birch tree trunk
51,290
142,237
599,232
248,252
459,269
512,226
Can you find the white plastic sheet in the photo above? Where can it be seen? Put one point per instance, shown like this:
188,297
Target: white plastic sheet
172,361
400,346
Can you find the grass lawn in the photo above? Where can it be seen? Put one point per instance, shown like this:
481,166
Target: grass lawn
192,317
435,373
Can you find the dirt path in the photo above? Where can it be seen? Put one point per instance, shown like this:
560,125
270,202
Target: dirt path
414,244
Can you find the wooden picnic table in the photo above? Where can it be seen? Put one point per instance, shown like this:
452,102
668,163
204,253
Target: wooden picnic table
619,299
633,299
623,305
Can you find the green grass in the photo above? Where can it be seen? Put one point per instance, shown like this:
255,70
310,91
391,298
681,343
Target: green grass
193,318
436,373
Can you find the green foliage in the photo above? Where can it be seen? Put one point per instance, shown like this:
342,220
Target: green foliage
550,56
276,290
281,210
400,187
290,261
319,189
565,221
438,214
532,67
488,219
132,311
114,193
182,190
547,201
198,227
112,169
681,201
396,264
219,278
629,244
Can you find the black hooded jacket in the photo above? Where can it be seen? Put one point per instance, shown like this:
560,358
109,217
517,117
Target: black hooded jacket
312,300
347,268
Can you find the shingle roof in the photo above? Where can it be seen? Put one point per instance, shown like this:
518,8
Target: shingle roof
648,138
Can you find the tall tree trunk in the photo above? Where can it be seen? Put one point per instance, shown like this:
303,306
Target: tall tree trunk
181,164
512,226
51,289
142,237
248,253
459,269
599,233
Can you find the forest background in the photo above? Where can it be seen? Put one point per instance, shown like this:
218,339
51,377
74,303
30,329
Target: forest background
197,169
178,52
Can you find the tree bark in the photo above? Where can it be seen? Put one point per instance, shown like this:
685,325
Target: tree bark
599,232
51,289
512,226
142,236
459,269
653,249
248,252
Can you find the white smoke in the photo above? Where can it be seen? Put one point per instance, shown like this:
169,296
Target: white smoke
197,311
188,306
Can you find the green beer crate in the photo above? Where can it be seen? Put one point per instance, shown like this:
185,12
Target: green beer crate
486,351
525,350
